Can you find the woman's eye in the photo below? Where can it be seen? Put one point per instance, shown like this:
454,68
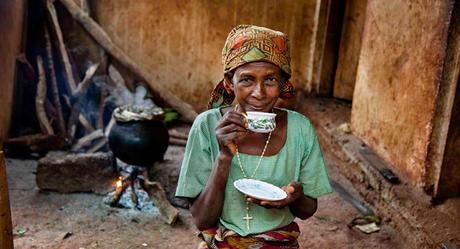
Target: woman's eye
271,81
245,81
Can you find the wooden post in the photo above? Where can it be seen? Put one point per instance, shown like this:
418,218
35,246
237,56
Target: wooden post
6,234
185,109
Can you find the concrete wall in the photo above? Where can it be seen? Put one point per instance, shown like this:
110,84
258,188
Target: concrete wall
399,71
180,42
11,23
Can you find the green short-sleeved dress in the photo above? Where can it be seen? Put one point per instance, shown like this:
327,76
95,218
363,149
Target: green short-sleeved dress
300,159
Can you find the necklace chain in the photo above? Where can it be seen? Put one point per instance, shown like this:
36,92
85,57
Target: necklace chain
248,218
258,163
260,158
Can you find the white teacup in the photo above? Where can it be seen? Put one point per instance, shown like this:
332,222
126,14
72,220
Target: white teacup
261,121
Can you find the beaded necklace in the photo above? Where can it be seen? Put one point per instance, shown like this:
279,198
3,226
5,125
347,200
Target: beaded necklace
247,217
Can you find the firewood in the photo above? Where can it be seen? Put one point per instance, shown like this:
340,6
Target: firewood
6,231
77,95
97,146
85,7
109,127
177,134
125,183
64,56
86,140
119,192
85,123
29,69
54,85
157,194
40,99
185,109
84,84
134,197
100,109
177,141
35,143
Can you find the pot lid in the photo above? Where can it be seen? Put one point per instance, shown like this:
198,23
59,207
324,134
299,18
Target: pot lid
128,113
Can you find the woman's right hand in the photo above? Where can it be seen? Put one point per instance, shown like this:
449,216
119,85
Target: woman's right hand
229,129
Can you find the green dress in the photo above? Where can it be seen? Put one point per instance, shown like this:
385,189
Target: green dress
300,159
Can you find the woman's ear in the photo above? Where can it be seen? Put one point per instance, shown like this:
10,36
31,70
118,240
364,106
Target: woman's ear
228,85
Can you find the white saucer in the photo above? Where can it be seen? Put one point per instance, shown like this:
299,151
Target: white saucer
260,190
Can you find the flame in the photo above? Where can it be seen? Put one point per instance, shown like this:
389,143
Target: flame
119,182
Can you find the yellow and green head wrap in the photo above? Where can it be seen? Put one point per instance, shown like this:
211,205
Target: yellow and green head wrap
249,43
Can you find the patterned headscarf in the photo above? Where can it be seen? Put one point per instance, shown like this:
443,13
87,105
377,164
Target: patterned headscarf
249,43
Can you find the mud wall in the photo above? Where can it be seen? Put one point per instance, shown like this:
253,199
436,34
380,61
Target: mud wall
180,42
399,71
350,47
11,23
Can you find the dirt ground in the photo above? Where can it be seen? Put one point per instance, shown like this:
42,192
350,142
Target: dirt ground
83,220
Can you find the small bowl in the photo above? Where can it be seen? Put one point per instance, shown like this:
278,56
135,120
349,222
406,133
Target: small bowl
261,121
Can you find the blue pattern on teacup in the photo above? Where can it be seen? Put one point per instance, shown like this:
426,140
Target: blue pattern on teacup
263,124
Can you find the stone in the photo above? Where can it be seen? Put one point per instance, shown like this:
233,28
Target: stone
68,173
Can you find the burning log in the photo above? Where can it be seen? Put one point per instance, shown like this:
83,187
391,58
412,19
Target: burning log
122,185
6,233
54,86
65,57
40,99
104,41
157,194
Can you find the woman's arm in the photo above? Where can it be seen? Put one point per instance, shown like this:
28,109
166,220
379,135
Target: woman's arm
304,207
207,207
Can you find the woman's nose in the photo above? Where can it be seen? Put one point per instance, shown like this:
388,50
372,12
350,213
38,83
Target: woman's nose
259,91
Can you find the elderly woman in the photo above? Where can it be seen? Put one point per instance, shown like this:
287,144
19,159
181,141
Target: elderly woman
221,150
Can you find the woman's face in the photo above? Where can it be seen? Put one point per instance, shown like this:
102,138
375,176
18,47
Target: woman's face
256,86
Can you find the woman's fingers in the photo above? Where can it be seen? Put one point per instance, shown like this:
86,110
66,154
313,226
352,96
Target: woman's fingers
290,189
231,127
233,117
228,131
266,204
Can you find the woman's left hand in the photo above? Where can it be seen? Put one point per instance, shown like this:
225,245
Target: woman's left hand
294,191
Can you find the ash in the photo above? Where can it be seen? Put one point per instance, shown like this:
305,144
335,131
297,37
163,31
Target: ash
145,204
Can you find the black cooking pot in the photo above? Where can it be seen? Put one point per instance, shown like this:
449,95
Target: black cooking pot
139,142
